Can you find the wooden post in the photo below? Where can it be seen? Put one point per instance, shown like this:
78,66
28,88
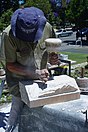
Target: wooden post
82,72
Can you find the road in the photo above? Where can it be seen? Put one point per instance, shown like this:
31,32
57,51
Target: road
69,45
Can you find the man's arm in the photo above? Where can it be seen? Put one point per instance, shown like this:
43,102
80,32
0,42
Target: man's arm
25,71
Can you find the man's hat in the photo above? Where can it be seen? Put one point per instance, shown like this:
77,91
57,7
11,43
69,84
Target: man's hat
28,24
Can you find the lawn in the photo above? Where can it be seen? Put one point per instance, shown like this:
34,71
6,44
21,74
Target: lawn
79,58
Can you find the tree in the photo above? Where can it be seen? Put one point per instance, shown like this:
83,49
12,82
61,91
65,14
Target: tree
5,19
7,4
6,11
44,5
77,12
59,7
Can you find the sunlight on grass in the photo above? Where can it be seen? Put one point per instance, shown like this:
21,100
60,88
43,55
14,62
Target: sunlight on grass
79,58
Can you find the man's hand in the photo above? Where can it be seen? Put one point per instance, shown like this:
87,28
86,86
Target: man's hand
53,58
43,74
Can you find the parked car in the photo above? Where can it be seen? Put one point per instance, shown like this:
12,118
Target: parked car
63,33
82,33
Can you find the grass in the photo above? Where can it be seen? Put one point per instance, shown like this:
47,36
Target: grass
6,97
78,57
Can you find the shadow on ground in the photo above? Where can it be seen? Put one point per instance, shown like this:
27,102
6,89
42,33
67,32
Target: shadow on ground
3,119
73,42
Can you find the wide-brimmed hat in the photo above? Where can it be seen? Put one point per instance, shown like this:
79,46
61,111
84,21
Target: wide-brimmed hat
28,24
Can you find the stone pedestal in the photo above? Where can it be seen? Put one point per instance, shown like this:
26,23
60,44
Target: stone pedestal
62,117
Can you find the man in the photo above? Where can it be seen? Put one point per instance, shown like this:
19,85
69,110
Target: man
25,54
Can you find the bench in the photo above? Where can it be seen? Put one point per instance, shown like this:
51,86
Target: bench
63,63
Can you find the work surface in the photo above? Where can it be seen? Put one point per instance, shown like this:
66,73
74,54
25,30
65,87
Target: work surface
61,117
58,89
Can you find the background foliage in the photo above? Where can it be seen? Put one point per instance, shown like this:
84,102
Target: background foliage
44,5
76,12
5,19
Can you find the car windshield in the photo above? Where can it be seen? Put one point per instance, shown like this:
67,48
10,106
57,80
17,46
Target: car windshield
64,30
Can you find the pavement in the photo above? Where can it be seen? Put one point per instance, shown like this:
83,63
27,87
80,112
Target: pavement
74,49
67,47
4,114
69,44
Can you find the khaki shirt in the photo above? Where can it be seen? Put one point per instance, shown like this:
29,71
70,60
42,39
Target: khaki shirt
27,54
